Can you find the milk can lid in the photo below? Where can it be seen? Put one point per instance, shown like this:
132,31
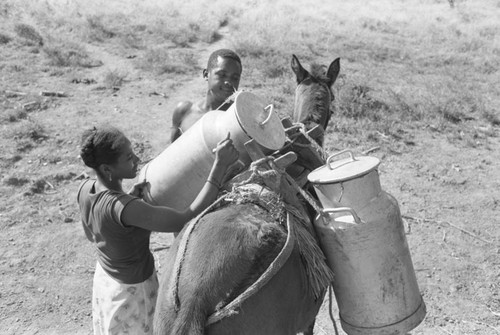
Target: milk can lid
259,120
335,171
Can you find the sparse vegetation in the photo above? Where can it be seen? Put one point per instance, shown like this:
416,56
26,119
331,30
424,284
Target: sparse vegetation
418,85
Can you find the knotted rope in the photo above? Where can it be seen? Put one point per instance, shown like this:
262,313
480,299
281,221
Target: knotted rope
303,130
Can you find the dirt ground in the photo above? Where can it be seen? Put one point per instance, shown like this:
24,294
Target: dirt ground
448,192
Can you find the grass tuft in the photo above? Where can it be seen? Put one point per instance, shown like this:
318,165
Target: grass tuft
357,103
15,181
114,78
164,60
15,115
492,117
39,186
69,54
4,39
27,132
97,30
28,33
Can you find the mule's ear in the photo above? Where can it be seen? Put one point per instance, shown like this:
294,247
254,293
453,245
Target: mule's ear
333,72
300,72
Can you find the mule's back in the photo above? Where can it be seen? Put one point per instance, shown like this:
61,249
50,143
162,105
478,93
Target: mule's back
227,252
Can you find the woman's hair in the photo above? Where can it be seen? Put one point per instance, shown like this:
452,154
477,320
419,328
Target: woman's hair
101,145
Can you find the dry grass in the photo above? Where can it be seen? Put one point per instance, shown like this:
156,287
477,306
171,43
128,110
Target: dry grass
114,78
420,63
403,63
406,64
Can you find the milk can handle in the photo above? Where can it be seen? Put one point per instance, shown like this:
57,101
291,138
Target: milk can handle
329,159
270,110
343,209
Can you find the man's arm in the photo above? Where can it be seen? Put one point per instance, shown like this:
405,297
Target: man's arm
180,112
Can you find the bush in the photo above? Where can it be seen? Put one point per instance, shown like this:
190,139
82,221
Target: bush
29,33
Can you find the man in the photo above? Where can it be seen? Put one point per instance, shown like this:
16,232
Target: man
223,74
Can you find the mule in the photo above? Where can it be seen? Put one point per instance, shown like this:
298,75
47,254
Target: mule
230,247
314,94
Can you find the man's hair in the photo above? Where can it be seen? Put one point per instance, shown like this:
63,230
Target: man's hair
224,53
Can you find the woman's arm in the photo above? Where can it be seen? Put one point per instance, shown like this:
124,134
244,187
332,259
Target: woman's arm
165,219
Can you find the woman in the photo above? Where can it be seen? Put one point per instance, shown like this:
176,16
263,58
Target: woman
120,224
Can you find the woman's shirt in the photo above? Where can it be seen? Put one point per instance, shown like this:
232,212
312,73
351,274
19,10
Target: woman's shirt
123,251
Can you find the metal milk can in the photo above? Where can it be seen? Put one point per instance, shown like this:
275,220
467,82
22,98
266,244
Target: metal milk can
362,236
177,175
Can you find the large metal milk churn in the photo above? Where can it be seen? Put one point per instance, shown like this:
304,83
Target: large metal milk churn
177,175
362,236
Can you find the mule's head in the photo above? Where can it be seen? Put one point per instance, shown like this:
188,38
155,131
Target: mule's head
314,95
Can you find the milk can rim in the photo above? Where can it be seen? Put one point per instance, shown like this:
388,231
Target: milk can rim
248,125
343,170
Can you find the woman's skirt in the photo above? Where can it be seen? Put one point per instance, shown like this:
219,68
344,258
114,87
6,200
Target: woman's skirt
123,308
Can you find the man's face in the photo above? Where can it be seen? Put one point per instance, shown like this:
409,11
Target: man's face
224,78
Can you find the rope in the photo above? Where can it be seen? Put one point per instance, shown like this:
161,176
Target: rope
270,178
230,98
274,267
292,182
314,144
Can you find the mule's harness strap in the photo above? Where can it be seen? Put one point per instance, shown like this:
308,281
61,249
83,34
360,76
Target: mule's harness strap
179,259
273,268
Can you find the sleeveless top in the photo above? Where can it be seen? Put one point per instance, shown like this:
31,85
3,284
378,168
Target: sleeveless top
123,251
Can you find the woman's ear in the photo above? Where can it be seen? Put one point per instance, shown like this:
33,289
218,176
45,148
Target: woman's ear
106,172
205,73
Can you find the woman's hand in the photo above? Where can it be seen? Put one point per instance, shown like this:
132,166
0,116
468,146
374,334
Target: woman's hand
225,153
137,189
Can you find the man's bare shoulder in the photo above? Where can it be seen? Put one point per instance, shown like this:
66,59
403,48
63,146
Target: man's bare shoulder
182,108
